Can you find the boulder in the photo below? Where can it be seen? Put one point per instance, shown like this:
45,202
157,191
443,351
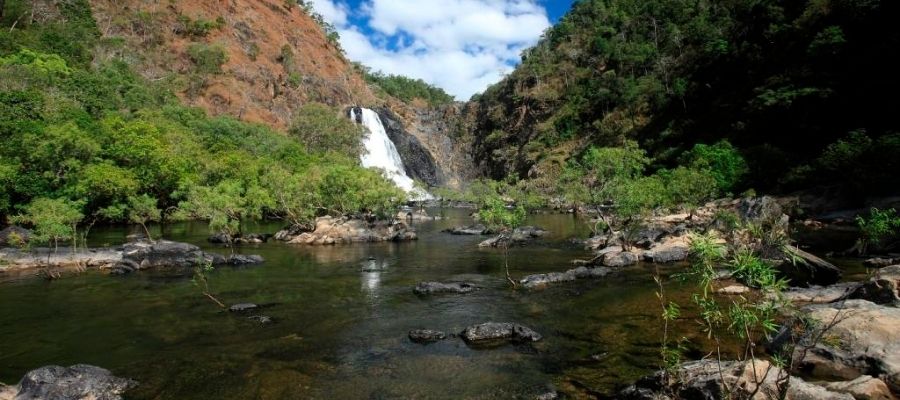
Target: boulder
164,253
670,250
812,270
329,231
819,294
525,233
78,382
415,215
875,262
426,288
426,336
752,379
492,332
220,238
476,229
882,288
863,388
543,280
241,259
863,338
618,259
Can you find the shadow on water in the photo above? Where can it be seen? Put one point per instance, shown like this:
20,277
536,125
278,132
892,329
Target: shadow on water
341,317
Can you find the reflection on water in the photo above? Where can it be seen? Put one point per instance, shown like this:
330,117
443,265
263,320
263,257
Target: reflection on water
342,314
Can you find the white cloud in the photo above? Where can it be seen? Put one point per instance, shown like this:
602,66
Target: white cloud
461,46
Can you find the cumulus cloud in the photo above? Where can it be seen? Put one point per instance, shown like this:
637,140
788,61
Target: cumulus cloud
461,46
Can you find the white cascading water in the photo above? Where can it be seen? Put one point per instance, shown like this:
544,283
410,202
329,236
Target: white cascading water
382,153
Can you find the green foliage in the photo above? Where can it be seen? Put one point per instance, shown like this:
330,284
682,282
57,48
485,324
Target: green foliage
198,28
322,129
330,31
207,58
689,187
52,220
494,213
142,210
878,227
859,163
725,163
406,89
227,204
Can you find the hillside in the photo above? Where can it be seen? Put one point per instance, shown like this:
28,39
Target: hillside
799,88
275,58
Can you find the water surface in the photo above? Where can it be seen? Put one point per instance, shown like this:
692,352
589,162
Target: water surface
340,332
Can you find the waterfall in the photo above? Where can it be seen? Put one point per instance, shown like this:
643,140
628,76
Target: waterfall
380,152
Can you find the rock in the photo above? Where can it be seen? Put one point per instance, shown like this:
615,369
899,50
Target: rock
864,340
596,242
14,235
415,215
863,388
476,229
417,160
525,233
542,280
262,319
819,294
220,238
491,332
618,259
243,307
290,232
329,230
164,253
882,288
78,382
670,250
704,380
812,271
734,290
426,288
426,336
240,259
870,263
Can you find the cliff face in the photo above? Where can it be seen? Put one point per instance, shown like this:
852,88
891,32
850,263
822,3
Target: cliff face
278,58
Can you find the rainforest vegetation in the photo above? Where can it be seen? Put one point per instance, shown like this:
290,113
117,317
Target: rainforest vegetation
87,142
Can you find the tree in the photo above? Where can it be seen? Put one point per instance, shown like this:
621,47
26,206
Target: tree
142,210
53,221
227,204
688,187
722,160
634,200
322,129
496,215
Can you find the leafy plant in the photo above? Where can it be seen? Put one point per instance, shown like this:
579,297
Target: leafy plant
495,214
877,228
208,58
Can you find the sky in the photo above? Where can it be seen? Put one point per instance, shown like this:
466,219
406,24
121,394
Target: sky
461,46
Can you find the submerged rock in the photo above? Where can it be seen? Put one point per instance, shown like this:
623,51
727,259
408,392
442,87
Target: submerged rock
542,280
426,336
476,229
78,382
241,259
499,331
425,288
243,307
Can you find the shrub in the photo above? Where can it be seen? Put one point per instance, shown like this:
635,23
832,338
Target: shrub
879,226
722,160
323,129
208,58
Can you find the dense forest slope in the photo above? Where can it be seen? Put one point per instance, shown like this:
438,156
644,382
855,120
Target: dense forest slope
802,88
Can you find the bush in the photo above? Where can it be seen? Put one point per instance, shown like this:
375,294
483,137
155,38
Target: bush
323,129
877,228
722,160
208,58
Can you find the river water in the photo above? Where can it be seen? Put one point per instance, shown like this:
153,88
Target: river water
341,332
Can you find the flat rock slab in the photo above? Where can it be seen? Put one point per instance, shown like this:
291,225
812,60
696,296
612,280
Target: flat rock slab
493,332
468,230
733,290
819,294
426,336
426,288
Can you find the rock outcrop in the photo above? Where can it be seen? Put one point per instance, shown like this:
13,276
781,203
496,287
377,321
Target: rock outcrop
519,235
707,379
330,230
426,336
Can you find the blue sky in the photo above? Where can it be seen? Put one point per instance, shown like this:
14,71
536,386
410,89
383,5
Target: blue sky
461,46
